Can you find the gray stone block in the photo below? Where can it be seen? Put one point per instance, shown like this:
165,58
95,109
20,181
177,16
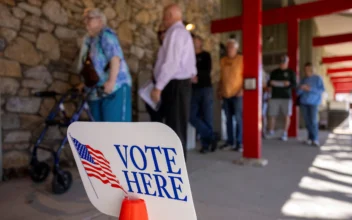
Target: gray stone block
23,104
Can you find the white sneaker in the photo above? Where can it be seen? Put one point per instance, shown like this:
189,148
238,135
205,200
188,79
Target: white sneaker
269,135
316,144
309,142
284,138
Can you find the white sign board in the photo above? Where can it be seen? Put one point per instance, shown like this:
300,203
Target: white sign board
143,160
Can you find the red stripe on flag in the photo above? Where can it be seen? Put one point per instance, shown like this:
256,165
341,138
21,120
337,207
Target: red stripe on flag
98,153
101,169
96,171
103,178
93,166
105,181
100,158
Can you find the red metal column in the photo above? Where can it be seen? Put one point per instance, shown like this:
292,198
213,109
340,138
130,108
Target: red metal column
336,59
339,70
252,53
334,39
293,53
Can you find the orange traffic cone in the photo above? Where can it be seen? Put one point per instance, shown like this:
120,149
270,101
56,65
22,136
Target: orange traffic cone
133,210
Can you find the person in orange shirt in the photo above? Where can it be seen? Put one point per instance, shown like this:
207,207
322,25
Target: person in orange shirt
230,90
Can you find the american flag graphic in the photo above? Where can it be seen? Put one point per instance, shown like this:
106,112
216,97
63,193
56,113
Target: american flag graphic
96,165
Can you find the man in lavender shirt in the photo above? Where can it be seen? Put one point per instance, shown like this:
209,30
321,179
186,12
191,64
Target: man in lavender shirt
175,66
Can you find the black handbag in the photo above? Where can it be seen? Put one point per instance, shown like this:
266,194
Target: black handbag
88,72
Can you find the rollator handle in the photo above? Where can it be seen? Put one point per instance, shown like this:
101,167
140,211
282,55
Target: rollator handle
46,94
100,91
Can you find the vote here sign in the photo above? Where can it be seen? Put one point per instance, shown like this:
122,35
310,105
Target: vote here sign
140,160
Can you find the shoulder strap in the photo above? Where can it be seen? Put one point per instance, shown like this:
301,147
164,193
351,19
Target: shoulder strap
88,51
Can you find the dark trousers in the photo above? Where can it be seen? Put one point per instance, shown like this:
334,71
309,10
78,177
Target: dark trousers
233,107
310,115
175,105
155,116
202,114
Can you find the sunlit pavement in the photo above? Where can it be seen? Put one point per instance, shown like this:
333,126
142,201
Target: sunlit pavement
300,182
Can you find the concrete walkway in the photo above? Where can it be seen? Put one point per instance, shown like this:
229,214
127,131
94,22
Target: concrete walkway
300,182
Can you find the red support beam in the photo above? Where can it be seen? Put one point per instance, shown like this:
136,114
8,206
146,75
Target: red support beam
344,81
335,39
283,15
339,70
226,25
340,77
252,53
343,86
276,16
328,60
343,91
338,80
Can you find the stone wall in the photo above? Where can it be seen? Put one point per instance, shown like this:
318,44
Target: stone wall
39,41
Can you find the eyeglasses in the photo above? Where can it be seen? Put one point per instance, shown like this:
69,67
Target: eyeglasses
89,18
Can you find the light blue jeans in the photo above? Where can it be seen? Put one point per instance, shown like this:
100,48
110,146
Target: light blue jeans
310,115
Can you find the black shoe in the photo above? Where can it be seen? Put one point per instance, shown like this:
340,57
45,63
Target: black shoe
238,148
222,147
203,150
214,145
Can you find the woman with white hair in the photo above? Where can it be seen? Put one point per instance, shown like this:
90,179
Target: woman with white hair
102,51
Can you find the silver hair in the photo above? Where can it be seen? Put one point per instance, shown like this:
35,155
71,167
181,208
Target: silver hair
234,42
96,12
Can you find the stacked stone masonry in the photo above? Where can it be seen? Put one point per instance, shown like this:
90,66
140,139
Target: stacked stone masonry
39,44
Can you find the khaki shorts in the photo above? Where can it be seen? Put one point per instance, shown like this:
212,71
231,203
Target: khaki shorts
280,105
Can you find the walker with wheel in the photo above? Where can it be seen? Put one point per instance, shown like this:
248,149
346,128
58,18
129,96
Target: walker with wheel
39,170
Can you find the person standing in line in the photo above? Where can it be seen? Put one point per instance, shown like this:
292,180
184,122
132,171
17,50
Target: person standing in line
202,98
231,91
101,47
265,100
282,81
310,92
174,69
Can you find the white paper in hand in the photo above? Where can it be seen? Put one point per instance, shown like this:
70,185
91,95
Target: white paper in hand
277,83
144,93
